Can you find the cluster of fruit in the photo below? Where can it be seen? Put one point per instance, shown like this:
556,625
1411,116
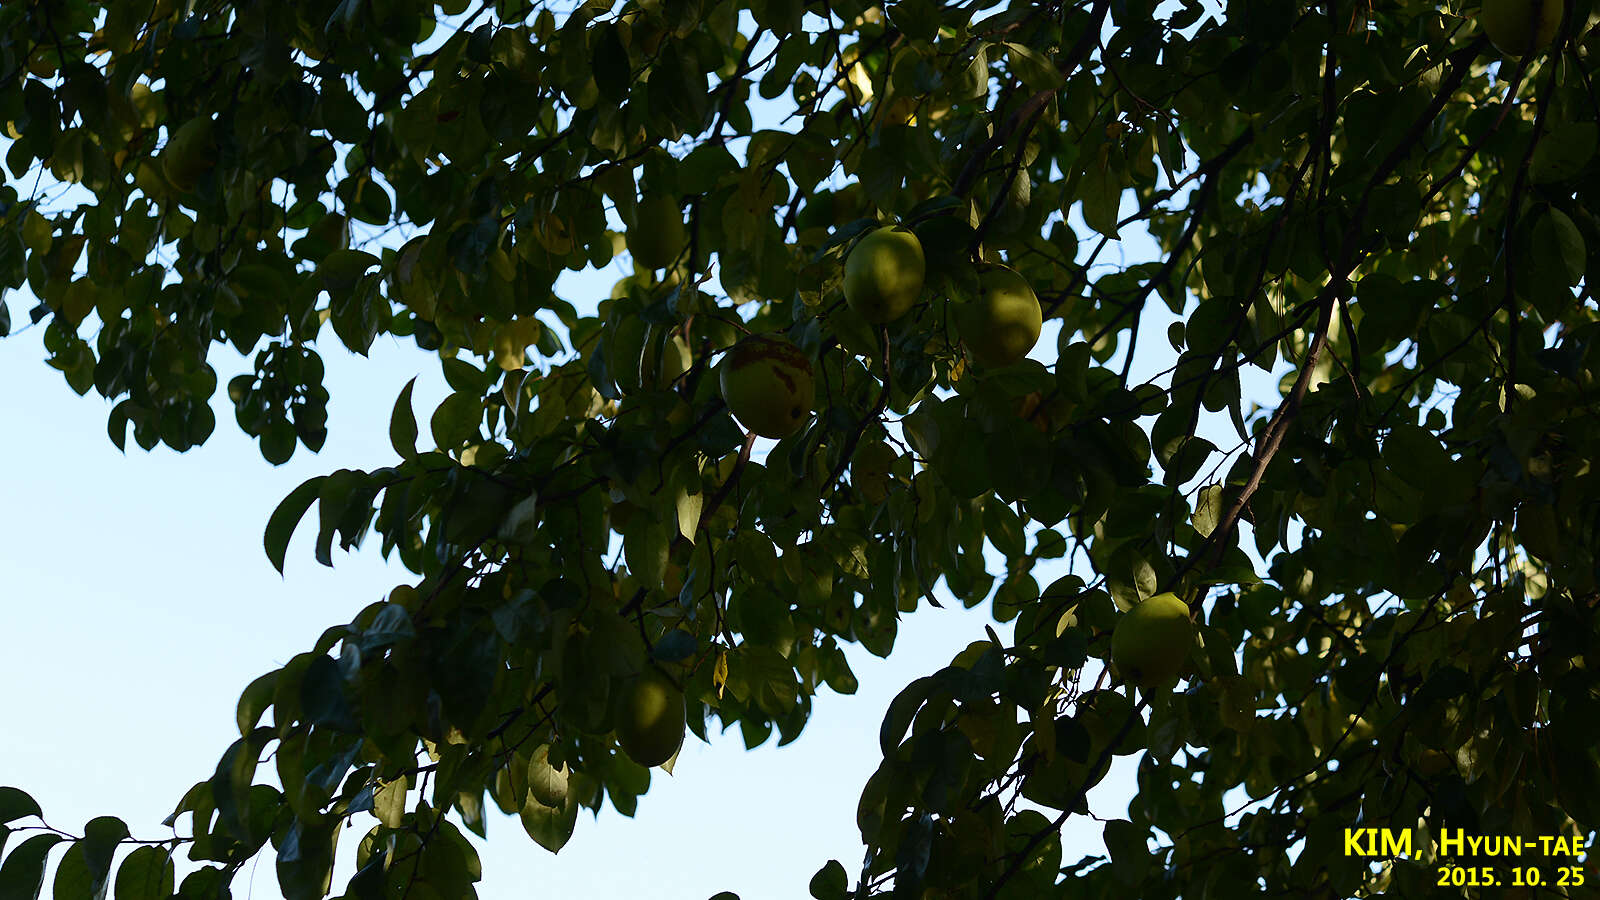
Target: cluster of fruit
767,381
1150,646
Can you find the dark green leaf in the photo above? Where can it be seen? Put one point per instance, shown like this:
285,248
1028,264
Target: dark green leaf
284,519
612,73
1101,193
675,646
22,874
550,828
830,882
901,710
16,804
403,424
73,880
919,19
146,874
254,701
322,695
456,420
101,837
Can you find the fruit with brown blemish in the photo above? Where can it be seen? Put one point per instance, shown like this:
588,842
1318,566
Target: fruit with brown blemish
768,386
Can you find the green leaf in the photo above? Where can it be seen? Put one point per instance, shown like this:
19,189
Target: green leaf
390,626
675,646
830,882
284,519
305,859
403,424
1208,510
16,804
365,200
922,429
146,874
340,112
323,696
338,493
919,19
610,64
101,835
277,442
901,710
522,521
551,828
230,785
1033,68
1101,194
22,875
1414,454
1004,529
677,88
389,803
645,547
456,420
1130,855
1559,248
210,882
1564,152
255,700
974,78
781,17
73,880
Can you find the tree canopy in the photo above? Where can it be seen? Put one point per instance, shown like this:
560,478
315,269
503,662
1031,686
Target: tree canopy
1391,565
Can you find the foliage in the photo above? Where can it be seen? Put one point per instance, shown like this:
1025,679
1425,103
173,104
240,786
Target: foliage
1365,196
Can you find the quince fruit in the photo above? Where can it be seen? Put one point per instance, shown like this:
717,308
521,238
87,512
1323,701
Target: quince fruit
869,470
190,153
657,235
767,384
1516,27
884,273
650,719
1003,324
1151,642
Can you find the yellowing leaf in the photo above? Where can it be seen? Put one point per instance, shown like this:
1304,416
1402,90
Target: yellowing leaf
719,674
1208,509
554,235
689,506
511,342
